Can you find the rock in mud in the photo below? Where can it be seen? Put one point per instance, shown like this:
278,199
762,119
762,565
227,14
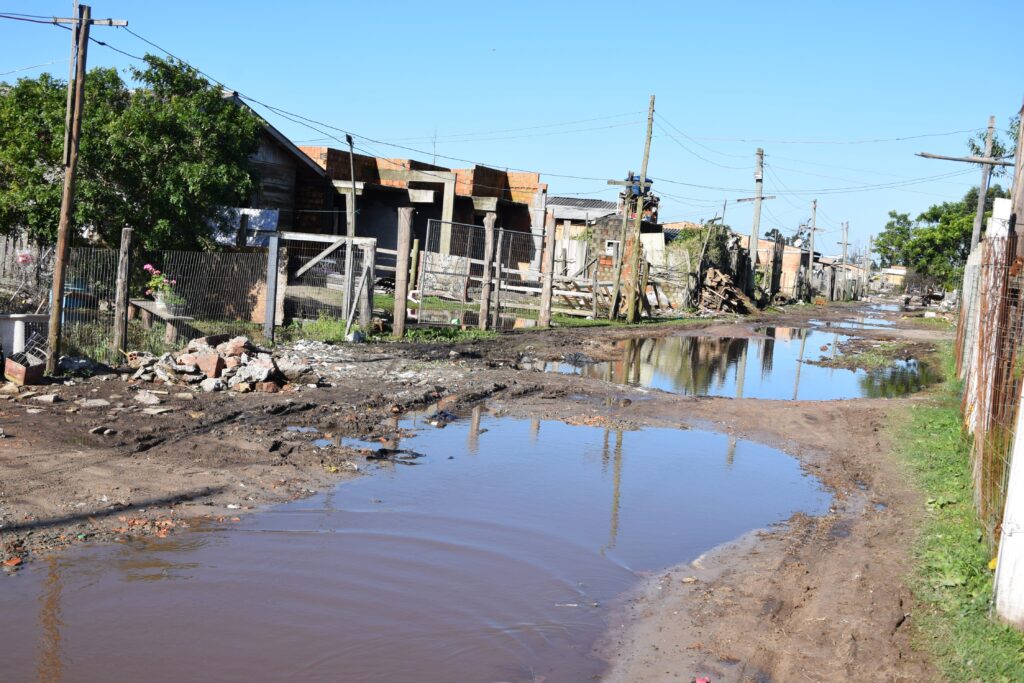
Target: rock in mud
147,398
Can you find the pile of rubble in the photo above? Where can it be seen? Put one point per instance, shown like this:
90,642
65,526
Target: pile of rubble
718,293
218,363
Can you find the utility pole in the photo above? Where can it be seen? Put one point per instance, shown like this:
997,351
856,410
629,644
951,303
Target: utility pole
72,137
810,255
634,276
846,272
756,223
987,162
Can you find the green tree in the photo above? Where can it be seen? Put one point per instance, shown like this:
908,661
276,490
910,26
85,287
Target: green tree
165,158
938,242
1000,147
891,243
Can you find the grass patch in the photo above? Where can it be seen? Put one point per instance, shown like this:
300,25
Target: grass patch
952,581
428,335
936,323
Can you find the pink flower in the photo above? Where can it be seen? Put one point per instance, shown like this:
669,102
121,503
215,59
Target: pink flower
156,272
148,268
174,282
149,292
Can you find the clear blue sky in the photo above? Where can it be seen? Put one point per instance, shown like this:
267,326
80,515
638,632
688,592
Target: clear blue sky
488,79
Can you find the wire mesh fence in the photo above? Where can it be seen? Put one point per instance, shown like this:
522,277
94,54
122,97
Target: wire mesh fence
451,284
26,271
991,363
319,289
87,325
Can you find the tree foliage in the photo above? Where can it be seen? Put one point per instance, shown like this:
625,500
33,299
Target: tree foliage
936,244
164,158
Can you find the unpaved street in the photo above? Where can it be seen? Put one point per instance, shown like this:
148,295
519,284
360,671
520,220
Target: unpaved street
819,597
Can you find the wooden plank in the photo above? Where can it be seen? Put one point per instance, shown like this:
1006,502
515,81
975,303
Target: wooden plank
323,239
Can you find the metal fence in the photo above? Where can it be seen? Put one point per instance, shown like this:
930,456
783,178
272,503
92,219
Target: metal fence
26,271
990,360
318,291
451,281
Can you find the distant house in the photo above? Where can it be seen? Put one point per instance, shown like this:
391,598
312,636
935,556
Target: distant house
893,277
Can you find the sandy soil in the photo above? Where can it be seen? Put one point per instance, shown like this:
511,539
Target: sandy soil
817,599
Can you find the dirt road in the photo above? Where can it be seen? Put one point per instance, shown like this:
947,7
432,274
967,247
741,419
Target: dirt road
818,599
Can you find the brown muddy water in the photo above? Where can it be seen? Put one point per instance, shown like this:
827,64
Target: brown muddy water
494,557
776,363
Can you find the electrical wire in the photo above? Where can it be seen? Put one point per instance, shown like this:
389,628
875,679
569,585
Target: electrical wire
34,66
687,149
842,142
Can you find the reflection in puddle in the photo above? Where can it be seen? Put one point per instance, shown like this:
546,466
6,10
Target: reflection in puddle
769,366
494,561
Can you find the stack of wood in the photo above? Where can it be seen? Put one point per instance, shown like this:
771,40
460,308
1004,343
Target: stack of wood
718,293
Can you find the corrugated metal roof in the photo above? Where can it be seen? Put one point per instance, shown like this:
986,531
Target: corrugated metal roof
580,203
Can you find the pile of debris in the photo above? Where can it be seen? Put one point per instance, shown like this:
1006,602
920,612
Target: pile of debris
219,362
718,293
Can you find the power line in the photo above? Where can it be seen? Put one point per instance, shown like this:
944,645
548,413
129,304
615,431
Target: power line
514,130
34,66
705,159
700,144
842,142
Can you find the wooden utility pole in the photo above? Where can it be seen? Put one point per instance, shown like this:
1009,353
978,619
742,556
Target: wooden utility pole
755,224
846,272
634,275
986,169
987,162
72,138
810,255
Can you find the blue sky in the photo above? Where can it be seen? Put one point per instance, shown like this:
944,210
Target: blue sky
562,88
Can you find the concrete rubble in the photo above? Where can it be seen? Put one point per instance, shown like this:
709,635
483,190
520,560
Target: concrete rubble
220,363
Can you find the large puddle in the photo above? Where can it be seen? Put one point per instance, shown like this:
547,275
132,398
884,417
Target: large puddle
491,558
770,365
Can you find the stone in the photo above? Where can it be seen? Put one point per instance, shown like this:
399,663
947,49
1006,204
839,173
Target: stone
234,347
157,411
211,384
9,389
187,368
268,387
232,362
147,398
47,398
103,431
207,343
187,359
210,364
254,372
293,369
94,403
185,396
242,387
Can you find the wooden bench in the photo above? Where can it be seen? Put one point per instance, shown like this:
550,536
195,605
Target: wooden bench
146,310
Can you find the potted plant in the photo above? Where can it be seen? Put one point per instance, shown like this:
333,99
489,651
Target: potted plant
161,288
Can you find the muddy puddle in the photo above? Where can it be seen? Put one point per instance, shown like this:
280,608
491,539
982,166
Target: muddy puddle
492,557
770,365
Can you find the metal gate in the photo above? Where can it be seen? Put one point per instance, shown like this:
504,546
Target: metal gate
451,277
322,279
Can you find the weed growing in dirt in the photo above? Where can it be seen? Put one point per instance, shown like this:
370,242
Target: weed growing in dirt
427,335
952,581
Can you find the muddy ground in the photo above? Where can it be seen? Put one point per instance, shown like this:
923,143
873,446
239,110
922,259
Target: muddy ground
817,599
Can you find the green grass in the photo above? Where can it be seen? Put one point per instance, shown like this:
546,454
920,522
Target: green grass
952,581
427,335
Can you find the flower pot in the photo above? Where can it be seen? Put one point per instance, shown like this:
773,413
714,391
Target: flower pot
163,304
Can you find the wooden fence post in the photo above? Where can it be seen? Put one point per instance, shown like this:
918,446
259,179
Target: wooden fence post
402,271
366,300
593,289
499,248
270,312
485,289
548,270
121,299
414,267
